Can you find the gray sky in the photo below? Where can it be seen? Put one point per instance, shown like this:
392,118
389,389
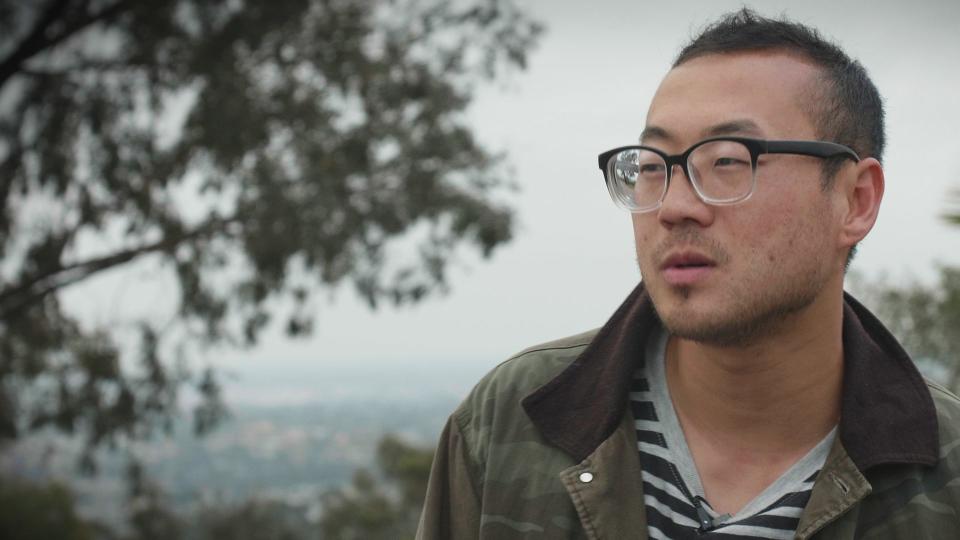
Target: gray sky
586,90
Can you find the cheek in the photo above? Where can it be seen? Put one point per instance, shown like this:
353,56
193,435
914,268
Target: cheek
792,236
641,232
768,237
644,241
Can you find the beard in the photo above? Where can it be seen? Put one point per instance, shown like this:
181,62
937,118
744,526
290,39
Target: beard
749,312
740,323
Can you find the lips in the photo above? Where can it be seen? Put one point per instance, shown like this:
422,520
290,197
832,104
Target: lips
687,268
687,259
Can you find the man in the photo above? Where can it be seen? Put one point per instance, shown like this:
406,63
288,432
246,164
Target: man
737,392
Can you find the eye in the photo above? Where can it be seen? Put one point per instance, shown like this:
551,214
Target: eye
729,162
651,168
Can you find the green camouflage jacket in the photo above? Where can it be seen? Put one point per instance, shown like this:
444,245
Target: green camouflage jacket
512,458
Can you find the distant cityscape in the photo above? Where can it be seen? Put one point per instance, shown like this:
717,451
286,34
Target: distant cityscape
284,440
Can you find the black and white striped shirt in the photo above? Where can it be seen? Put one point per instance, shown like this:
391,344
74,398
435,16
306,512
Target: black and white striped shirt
673,494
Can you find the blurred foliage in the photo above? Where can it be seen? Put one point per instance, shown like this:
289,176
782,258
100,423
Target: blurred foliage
255,152
924,318
383,505
373,508
953,216
32,512
148,509
252,520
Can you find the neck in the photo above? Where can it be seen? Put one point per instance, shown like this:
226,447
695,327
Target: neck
780,394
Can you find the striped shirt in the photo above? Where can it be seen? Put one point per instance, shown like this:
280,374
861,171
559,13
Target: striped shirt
673,494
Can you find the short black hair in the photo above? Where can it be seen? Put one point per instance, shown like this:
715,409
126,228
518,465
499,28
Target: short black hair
847,108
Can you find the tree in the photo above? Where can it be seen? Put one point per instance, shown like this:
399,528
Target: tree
389,508
257,152
40,512
924,318
953,216
149,512
252,520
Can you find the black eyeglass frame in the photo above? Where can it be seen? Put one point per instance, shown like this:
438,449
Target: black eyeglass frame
756,147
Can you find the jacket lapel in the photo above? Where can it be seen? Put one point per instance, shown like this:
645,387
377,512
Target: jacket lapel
839,486
584,404
887,414
605,487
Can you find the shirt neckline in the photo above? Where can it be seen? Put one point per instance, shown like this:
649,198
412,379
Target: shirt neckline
792,480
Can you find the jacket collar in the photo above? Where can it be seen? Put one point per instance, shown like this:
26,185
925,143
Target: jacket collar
887,414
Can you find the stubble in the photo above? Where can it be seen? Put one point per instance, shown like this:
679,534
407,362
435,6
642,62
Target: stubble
751,311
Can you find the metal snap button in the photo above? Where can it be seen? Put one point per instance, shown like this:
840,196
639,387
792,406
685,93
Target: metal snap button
586,477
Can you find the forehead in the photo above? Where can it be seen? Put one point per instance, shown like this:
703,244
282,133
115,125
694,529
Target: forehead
770,92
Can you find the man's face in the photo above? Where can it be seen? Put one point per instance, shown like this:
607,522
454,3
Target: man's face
729,275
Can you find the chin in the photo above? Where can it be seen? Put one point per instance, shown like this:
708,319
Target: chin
695,325
713,332
677,310
731,321
670,298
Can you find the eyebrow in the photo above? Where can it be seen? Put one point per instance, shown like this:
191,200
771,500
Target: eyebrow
734,127
655,132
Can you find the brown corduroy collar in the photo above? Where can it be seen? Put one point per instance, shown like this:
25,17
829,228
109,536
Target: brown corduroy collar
887,414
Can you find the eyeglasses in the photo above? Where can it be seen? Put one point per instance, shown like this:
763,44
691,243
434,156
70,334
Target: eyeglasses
722,170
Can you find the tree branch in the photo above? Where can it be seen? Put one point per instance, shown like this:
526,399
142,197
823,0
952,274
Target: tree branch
89,65
9,164
34,41
38,40
32,289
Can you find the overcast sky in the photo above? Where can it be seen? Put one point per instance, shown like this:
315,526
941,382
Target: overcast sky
586,90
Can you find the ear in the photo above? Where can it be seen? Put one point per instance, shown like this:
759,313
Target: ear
862,191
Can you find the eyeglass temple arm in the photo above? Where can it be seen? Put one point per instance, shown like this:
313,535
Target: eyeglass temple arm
821,149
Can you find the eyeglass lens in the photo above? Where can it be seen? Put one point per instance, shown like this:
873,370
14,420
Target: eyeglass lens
721,171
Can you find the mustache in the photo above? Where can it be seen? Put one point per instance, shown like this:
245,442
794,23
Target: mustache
690,238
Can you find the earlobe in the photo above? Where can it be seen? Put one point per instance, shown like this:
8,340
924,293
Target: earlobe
863,192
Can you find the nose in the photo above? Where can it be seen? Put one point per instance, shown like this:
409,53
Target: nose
681,202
